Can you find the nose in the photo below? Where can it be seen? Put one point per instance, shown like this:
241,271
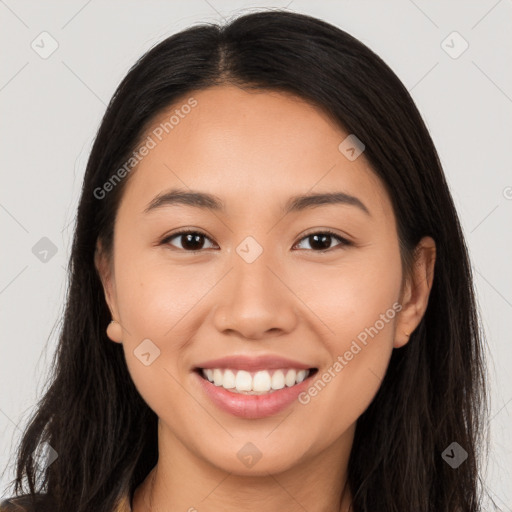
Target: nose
255,301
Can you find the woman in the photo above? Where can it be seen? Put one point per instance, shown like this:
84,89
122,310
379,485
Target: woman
271,302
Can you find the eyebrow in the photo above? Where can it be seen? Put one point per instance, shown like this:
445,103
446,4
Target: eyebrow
212,202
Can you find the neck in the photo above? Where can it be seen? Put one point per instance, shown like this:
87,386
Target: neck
182,481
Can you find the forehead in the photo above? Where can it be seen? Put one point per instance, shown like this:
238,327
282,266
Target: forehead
252,148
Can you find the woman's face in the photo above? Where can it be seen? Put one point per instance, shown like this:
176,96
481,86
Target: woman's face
258,289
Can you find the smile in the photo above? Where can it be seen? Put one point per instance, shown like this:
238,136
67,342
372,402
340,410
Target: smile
278,389
254,383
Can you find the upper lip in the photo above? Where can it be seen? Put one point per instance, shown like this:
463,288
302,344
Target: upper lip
252,363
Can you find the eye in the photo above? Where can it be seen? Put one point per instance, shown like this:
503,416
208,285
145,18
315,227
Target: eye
321,240
192,241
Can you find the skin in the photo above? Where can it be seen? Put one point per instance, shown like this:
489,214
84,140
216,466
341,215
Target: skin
254,150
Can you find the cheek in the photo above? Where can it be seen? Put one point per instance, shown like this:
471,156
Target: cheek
352,297
160,309
359,306
154,296
341,392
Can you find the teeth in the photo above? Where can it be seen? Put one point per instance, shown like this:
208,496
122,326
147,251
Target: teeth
257,383
278,380
291,375
217,377
229,380
302,375
243,381
262,382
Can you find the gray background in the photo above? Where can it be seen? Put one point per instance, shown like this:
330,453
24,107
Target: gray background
51,109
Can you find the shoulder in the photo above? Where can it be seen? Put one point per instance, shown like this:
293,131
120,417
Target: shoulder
23,503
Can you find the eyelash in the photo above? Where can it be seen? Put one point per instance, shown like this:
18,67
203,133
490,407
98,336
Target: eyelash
344,241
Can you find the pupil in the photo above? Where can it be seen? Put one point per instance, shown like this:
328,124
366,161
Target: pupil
325,241
195,238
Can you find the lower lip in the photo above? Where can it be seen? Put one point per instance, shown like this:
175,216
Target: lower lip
252,406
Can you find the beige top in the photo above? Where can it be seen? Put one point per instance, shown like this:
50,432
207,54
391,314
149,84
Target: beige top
22,504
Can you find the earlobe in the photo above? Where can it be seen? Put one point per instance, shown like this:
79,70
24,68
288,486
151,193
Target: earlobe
403,341
115,331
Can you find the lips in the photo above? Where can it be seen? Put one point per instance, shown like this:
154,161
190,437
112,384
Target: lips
240,398
252,364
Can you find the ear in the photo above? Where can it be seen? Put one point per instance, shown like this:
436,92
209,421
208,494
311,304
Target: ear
104,268
416,291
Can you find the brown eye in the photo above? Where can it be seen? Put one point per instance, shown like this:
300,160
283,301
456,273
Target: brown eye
194,241
321,241
190,240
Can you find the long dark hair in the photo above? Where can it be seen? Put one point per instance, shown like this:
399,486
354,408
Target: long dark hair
433,392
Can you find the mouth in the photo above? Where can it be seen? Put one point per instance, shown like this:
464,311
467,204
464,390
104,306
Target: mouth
253,386
261,382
